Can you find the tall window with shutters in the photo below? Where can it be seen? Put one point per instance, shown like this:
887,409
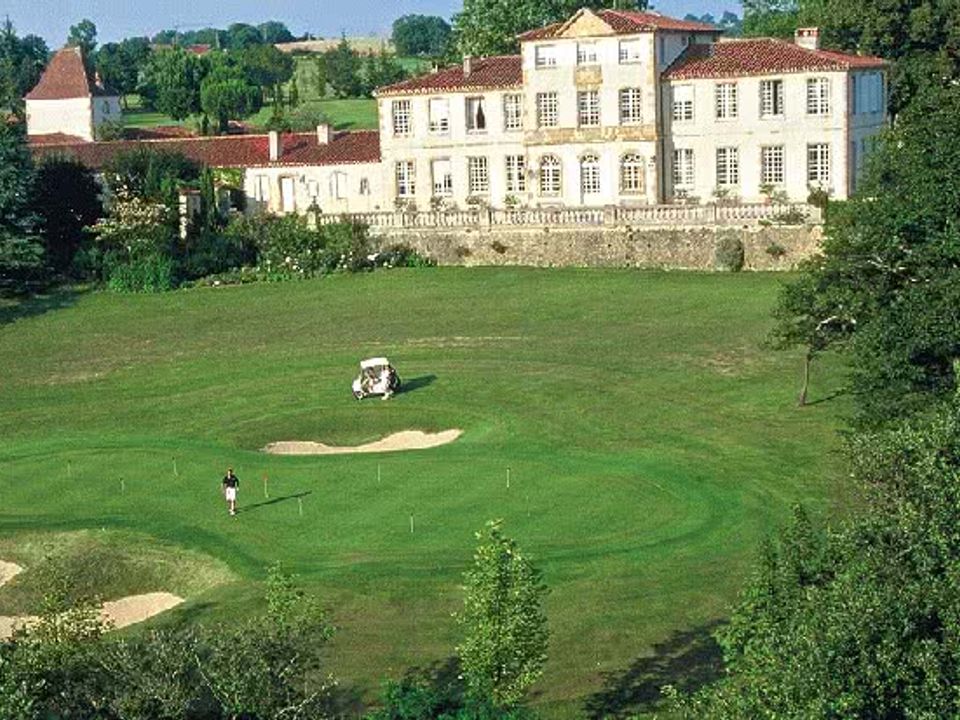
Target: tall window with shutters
726,101
771,98
405,178
512,112
476,115
588,108
516,173
683,169
439,109
401,117
550,175
728,167
818,96
631,106
547,110
631,174
590,174
442,172
682,110
818,165
772,165
478,175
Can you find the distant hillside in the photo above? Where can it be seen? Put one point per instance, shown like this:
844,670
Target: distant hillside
360,44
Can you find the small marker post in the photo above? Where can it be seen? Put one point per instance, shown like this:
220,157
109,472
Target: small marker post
123,485
411,524
266,494
508,478
378,473
175,473
300,504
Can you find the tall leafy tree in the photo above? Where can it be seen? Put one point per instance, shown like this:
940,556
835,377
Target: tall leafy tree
274,31
266,67
226,94
490,27
420,35
21,255
171,82
84,36
67,200
504,623
771,18
120,64
22,61
883,286
242,35
343,66
860,621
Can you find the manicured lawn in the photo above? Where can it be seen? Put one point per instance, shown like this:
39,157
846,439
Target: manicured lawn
651,443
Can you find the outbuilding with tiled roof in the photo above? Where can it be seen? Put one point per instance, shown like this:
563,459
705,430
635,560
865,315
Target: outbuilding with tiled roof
68,100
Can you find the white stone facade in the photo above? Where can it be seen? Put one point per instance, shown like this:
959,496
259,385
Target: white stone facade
599,127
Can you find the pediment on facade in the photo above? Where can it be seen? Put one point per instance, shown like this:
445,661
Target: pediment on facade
585,23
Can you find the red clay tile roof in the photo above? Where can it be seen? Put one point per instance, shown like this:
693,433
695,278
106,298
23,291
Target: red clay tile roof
298,149
498,71
626,22
735,58
55,139
65,78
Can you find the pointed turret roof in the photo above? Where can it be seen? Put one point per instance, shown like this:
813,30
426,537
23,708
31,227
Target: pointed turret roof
65,78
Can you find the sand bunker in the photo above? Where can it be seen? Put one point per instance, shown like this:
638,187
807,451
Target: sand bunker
406,440
118,613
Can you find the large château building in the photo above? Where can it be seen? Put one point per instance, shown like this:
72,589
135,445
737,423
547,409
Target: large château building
610,107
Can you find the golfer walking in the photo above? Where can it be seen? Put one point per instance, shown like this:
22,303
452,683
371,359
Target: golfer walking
230,484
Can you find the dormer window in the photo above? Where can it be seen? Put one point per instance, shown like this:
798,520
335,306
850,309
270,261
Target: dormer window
476,115
545,56
586,54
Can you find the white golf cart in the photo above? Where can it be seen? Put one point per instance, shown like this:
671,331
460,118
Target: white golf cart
377,377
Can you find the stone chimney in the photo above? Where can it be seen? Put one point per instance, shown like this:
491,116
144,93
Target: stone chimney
808,37
468,65
274,146
324,134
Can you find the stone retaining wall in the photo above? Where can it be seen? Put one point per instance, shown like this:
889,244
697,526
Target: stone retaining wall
689,248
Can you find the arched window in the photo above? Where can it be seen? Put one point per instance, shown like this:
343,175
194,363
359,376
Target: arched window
590,174
631,174
550,175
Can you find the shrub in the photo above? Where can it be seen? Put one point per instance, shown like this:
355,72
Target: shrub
109,130
776,250
819,198
145,273
403,256
729,254
790,217
211,253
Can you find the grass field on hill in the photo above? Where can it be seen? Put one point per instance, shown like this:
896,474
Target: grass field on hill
651,444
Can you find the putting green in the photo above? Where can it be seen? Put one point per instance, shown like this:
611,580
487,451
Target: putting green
649,440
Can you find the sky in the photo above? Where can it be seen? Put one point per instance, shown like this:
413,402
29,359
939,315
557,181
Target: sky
117,19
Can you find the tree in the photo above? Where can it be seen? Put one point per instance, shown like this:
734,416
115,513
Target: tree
171,82
892,247
505,628
266,67
120,64
420,35
225,96
343,69
67,200
84,36
241,35
770,18
273,31
859,621
22,61
490,27
21,255
320,74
